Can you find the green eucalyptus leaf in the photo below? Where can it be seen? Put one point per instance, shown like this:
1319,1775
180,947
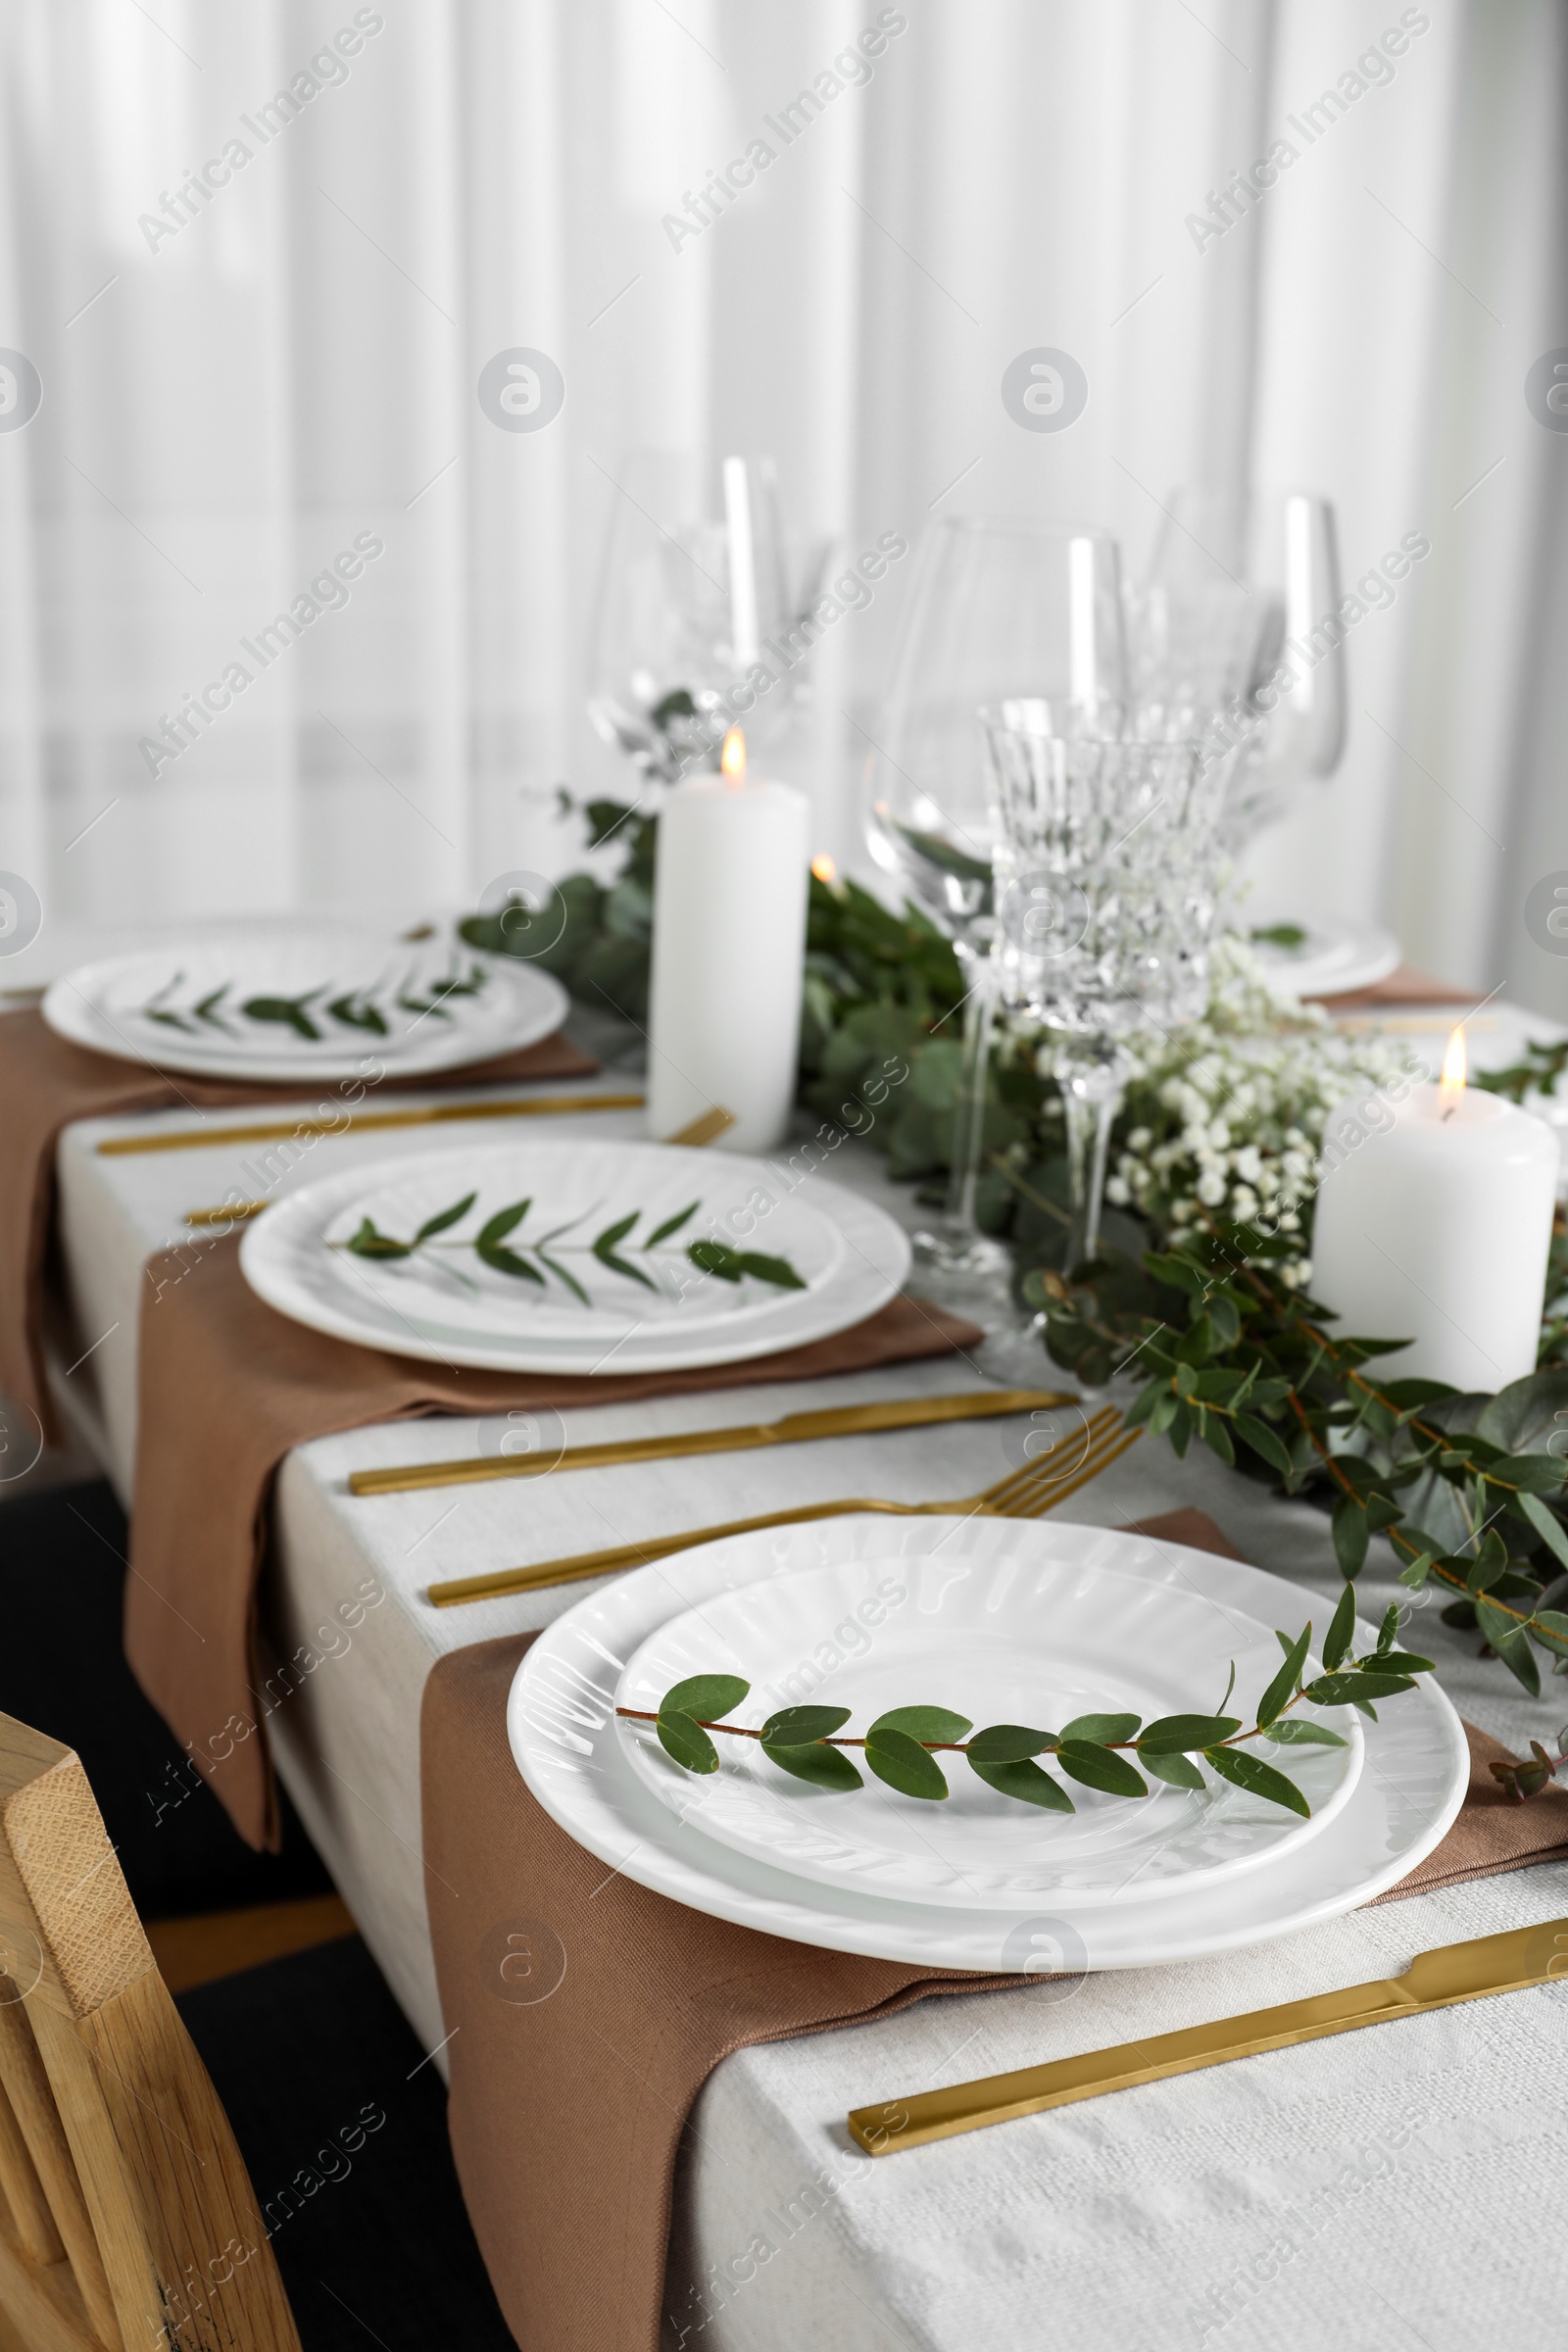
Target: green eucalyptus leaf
1175,1734
924,1723
705,1696
671,1225
824,1767
1264,1441
1018,1777
1105,1731
446,1216
797,1727
1551,1629
1257,1778
1281,1688
1300,1731
1519,1657
679,1737
1179,1771
503,1260
1341,1629
1349,1535
1546,1523
716,1258
368,1243
1007,1743
1354,1685
777,1270
1099,1767
505,1221
905,1764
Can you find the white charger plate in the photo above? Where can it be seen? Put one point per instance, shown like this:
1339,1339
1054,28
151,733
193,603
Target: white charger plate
642,1306
1339,952
365,997
569,1750
1015,1639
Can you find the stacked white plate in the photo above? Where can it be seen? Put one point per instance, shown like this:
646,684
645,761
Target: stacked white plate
576,1256
1333,955
293,1001
1003,1621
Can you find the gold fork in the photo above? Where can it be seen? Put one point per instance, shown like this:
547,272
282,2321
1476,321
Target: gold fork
1025,1494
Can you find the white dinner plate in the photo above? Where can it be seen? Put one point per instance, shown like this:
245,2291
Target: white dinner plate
296,1002
576,1256
1038,1640
1337,953
570,1751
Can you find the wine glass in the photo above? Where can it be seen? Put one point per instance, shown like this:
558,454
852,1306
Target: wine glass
1001,610
1235,629
1106,866
688,593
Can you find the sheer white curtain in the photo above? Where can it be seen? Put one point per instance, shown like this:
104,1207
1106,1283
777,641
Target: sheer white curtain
230,405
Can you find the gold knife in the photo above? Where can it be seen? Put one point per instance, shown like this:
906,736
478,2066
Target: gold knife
1437,1980
522,1107
837,1421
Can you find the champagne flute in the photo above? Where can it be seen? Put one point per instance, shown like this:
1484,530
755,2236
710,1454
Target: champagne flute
1001,609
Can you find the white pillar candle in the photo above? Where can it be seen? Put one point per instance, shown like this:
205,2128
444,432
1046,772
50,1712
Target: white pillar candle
729,949
1432,1224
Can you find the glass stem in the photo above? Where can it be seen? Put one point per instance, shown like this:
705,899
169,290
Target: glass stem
969,1111
1091,1091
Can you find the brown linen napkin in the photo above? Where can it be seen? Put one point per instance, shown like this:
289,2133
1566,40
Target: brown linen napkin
46,1081
585,2011
227,1388
1404,986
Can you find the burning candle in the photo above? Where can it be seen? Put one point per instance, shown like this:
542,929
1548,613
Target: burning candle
1433,1223
729,948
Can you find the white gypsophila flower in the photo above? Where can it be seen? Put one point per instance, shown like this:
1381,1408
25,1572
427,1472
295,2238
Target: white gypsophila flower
1232,1111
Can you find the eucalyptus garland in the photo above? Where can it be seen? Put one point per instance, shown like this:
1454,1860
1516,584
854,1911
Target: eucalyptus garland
1212,1321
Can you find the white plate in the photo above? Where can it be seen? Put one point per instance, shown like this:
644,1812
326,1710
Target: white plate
182,1007
1339,952
1036,1641
644,1305
567,1746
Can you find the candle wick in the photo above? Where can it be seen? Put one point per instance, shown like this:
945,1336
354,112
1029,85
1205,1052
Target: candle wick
1452,1107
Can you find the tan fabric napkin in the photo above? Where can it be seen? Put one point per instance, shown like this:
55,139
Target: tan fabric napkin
1404,986
567,2111
227,1388
46,1081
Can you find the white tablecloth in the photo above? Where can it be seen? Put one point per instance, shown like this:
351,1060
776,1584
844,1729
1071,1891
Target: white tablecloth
1355,2192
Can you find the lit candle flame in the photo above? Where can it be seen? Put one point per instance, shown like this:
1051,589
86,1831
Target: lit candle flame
823,867
732,758
1450,1086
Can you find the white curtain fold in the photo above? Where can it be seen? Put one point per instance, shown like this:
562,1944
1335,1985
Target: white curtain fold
234,400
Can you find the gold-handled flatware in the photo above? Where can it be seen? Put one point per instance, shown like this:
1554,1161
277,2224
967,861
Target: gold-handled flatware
1026,1494
705,1130
365,1122
1435,1979
796,1429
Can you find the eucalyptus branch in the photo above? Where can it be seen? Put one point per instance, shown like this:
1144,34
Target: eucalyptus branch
901,1747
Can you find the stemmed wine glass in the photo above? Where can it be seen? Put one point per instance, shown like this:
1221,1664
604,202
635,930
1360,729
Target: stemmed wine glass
1236,621
1002,611
690,588
1106,866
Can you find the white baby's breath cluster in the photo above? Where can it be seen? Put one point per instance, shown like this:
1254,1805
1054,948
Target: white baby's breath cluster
1225,1119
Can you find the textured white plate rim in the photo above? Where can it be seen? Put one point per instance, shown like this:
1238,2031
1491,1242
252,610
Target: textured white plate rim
616,1817
878,1260
1293,1832
73,1012
1343,952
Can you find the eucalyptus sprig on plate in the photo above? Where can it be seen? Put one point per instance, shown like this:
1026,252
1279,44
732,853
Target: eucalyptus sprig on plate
367,1011
501,1244
901,1747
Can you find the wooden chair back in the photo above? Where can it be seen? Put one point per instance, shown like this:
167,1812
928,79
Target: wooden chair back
127,2221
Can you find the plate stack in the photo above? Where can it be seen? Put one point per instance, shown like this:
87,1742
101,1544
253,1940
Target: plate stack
1003,1621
